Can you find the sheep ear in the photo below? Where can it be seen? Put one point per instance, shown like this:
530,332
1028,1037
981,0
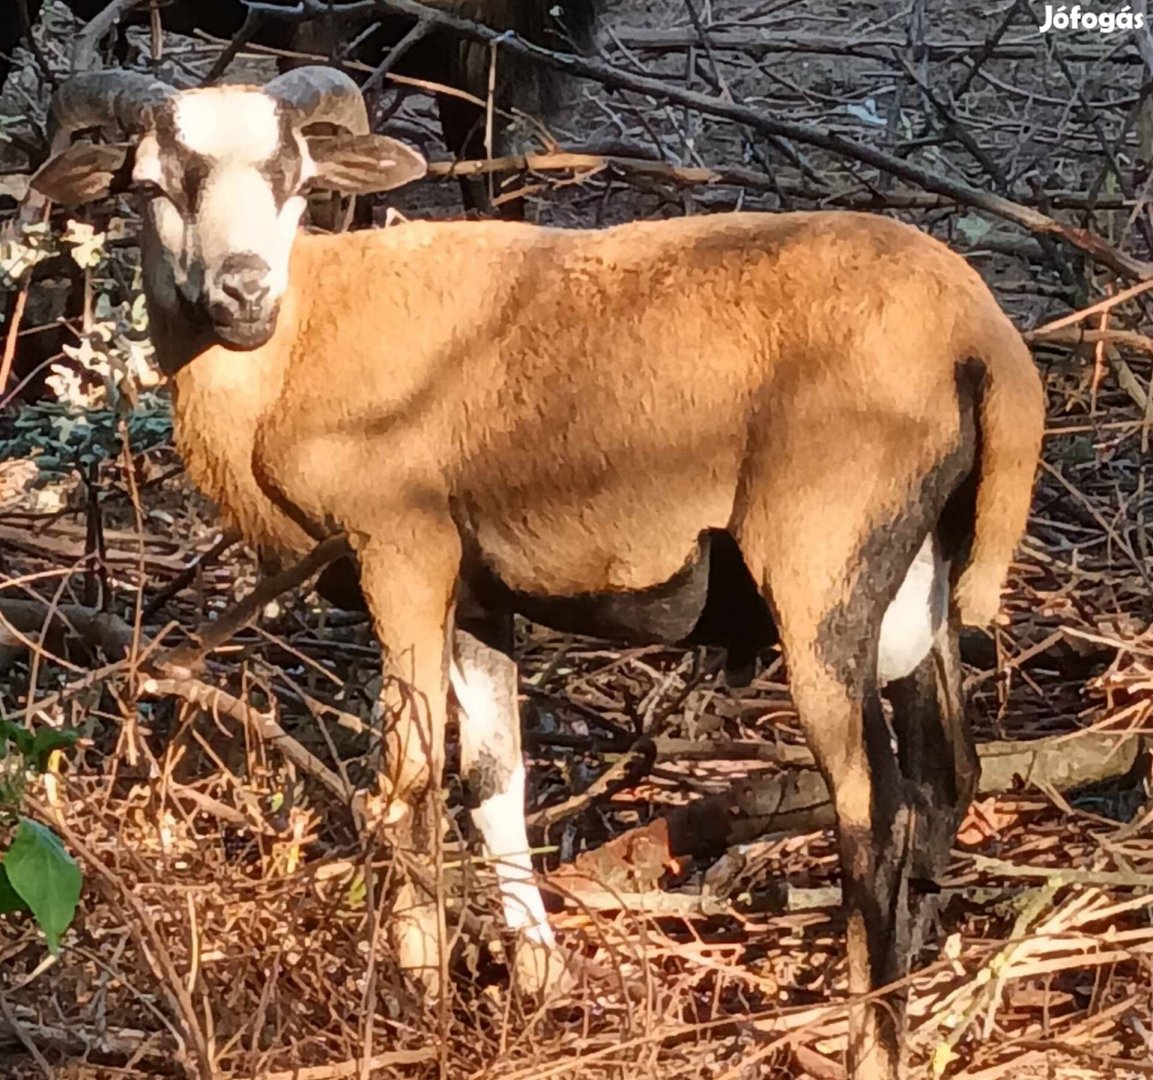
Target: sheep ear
362,164
85,172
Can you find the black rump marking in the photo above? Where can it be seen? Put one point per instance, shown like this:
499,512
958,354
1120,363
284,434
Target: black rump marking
943,503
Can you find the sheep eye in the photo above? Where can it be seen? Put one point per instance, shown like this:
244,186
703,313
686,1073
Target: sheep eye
148,189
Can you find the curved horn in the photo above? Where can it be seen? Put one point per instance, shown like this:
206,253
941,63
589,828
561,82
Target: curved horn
127,98
321,95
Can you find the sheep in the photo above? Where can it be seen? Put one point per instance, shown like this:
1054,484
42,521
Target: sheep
725,428
437,57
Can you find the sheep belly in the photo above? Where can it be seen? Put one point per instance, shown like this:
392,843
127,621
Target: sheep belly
662,613
915,616
711,600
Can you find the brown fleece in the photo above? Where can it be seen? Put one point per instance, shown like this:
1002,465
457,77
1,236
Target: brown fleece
585,403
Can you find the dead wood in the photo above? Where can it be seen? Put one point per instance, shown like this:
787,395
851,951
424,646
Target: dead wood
77,1041
69,631
86,629
186,576
631,161
219,702
879,47
798,801
87,42
214,634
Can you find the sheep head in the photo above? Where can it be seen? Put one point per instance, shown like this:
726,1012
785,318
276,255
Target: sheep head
223,173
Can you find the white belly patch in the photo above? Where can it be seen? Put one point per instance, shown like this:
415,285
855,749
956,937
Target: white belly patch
911,623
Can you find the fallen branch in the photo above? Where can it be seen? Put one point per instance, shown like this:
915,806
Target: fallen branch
169,673
58,549
86,43
590,161
69,631
214,634
219,702
78,1041
593,897
188,574
13,332
881,48
631,766
391,1059
79,630
1078,335
798,801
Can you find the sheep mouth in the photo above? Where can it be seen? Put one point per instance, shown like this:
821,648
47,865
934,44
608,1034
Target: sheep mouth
244,334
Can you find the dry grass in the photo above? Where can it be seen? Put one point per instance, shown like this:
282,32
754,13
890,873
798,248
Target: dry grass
232,922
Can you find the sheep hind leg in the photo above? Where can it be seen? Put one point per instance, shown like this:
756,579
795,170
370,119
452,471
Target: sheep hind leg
830,627
845,727
484,680
939,760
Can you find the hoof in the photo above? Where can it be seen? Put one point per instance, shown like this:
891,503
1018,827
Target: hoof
543,970
415,936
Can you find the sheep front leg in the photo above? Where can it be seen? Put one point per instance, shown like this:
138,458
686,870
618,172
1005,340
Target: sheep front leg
484,679
409,595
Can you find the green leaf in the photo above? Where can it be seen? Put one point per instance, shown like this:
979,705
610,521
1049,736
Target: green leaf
357,892
138,315
46,741
88,244
45,877
21,736
9,898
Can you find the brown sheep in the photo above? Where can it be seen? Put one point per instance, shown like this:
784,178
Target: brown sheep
714,428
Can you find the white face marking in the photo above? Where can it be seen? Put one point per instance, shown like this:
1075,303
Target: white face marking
225,213
146,164
228,122
916,614
490,725
238,213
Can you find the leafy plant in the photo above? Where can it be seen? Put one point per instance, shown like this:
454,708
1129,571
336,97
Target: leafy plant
35,747
111,362
37,875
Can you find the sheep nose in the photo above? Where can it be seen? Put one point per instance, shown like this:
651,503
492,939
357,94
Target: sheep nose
247,288
243,280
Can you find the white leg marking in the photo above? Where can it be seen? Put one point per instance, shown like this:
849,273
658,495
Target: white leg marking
911,623
500,820
490,755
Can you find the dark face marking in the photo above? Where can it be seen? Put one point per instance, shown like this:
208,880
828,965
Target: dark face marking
283,169
185,172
